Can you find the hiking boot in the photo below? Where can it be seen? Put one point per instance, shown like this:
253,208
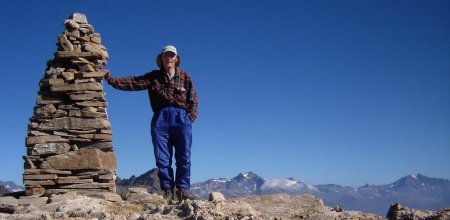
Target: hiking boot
168,195
183,194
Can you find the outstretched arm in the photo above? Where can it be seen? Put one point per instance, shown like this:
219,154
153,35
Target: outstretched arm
131,83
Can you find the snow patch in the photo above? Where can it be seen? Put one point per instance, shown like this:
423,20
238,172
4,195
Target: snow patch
281,183
414,176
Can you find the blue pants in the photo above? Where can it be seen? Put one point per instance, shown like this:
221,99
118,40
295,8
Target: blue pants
172,129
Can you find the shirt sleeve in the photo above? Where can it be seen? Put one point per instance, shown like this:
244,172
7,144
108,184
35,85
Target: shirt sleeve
192,100
130,83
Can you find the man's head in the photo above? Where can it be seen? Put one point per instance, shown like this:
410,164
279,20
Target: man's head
168,57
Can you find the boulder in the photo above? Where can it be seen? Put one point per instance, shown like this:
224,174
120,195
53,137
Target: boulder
85,158
216,197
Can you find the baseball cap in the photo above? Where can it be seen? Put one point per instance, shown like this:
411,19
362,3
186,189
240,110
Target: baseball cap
169,48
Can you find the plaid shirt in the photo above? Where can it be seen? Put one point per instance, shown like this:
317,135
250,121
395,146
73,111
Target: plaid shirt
178,91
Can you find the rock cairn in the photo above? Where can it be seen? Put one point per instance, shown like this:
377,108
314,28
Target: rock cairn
68,142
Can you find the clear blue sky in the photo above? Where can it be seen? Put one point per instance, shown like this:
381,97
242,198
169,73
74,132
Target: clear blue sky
345,92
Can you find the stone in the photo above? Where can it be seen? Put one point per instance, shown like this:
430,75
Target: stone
65,43
216,197
103,137
87,96
68,76
73,181
72,123
56,82
79,18
45,100
75,54
78,87
105,146
137,190
98,75
144,197
50,149
8,204
39,182
45,139
108,196
32,200
47,171
91,104
40,177
71,24
89,186
95,38
85,158
34,190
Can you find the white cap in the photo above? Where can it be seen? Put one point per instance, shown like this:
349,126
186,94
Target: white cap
169,48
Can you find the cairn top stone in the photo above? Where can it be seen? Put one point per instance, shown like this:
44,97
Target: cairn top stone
79,18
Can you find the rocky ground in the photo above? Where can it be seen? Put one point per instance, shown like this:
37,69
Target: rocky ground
139,204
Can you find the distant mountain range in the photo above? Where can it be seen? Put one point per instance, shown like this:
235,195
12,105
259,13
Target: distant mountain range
8,187
414,191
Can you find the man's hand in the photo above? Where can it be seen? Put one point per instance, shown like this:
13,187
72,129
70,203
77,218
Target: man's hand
107,74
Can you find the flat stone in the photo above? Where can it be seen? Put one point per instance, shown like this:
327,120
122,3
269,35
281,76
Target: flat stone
78,87
47,171
85,158
105,137
87,96
49,149
91,104
137,189
79,18
93,75
107,177
37,133
73,181
40,177
75,54
38,183
90,186
45,100
45,139
73,123
106,146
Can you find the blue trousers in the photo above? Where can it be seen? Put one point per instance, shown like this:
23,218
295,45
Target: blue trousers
172,130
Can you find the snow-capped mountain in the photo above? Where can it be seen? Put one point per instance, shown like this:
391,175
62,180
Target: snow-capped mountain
415,191
9,186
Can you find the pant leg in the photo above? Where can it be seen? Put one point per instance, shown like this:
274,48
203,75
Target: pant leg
182,140
163,150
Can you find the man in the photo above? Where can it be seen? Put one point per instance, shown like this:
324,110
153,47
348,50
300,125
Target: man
175,105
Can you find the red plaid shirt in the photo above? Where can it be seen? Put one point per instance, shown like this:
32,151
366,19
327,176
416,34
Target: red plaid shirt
178,91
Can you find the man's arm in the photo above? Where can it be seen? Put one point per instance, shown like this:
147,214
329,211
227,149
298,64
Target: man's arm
131,83
192,100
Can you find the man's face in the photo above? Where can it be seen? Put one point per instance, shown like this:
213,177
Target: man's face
169,59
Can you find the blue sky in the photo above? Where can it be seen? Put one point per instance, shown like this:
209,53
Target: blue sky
344,92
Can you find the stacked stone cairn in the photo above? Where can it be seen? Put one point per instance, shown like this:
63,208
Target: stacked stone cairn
69,146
